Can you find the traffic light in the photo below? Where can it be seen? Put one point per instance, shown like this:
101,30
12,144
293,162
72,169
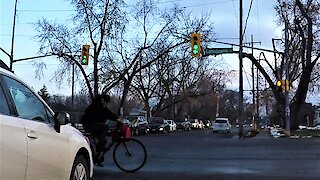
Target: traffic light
279,85
85,55
195,45
286,85
283,85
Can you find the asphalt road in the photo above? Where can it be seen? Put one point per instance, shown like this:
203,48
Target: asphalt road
200,154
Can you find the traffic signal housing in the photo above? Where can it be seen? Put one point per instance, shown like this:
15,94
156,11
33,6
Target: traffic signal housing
85,54
286,85
283,85
279,85
195,44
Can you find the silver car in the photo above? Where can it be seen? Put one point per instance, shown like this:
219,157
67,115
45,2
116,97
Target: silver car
221,125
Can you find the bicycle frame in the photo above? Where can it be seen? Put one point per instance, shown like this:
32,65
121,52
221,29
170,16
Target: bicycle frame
122,157
93,144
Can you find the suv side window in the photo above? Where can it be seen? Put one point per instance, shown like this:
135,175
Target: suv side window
24,99
4,108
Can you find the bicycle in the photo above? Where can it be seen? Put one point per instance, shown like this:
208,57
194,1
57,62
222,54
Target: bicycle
129,154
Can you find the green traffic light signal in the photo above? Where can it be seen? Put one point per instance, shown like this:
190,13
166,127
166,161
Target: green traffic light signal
84,59
195,49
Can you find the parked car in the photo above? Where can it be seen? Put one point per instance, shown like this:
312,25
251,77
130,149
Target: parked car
201,125
194,123
221,125
35,142
158,124
138,124
172,124
183,124
207,123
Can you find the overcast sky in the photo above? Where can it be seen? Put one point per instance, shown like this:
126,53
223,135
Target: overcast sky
224,13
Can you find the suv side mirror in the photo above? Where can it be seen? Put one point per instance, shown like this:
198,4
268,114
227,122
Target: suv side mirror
61,118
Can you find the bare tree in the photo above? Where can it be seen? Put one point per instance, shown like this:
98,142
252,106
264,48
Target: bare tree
173,71
158,37
99,20
151,60
43,92
303,22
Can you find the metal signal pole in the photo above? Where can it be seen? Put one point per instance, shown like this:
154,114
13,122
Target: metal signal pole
254,92
240,76
13,29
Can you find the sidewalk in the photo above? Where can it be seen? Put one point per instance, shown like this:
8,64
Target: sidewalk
262,134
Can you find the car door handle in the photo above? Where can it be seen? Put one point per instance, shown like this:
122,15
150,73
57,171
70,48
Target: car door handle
32,135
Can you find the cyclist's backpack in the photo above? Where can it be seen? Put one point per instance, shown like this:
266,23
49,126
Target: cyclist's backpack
121,131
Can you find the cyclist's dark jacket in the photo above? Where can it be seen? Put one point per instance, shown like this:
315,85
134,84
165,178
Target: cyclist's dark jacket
95,113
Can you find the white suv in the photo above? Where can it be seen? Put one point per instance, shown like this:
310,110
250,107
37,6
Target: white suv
138,124
172,124
35,142
221,125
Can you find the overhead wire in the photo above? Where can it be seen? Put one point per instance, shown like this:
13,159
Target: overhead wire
248,15
159,2
206,4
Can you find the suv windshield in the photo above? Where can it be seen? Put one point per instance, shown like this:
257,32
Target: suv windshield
131,118
221,121
180,120
156,121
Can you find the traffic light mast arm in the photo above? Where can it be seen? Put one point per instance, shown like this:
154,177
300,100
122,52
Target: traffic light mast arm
261,49
217,51
5,52
35,57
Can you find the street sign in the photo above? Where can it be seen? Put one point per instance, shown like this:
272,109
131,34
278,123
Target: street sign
217,51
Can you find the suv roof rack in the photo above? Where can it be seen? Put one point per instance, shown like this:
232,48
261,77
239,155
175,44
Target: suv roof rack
4,66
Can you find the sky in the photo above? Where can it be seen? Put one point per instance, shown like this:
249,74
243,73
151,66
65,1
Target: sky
25,44
261,24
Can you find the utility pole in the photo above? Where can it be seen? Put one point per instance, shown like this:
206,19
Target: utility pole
258,94
255,110
72,86
253,93
13,30
240,76
217,111
287,107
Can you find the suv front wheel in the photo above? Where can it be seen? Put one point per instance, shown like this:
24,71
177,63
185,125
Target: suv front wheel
80,169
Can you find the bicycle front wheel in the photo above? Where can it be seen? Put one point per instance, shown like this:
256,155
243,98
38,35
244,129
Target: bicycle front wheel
129,155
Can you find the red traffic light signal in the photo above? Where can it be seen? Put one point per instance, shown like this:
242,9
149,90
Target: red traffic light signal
85,55
195,41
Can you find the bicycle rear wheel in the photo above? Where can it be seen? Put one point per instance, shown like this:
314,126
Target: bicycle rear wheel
129,155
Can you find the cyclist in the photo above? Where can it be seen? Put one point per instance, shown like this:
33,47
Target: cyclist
94,122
